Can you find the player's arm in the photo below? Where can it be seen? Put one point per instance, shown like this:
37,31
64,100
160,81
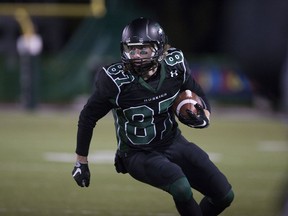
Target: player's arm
96,107
82,159
191,84
188,80
202,118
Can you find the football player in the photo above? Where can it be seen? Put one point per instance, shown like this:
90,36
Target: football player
140,90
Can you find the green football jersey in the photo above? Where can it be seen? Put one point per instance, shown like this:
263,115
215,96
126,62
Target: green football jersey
142,109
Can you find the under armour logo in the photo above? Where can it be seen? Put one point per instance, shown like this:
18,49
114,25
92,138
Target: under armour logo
173,73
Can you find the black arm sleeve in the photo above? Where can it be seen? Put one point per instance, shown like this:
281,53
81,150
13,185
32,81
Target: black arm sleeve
191,84
97,107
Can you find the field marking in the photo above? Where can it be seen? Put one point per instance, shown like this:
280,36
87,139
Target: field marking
101,157
273,146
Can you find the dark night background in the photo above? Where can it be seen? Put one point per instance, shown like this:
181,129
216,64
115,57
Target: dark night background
251,33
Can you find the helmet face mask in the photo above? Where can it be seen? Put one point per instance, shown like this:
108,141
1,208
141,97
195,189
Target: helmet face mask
142,34
140,58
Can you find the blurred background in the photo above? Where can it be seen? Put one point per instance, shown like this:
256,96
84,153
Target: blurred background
49,53
50,50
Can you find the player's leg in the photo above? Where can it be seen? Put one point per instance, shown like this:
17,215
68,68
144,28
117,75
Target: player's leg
154,169
183,197
214,206
216,188
203,175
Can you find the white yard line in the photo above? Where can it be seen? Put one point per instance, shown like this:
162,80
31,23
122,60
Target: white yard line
100,157
104,157
273,146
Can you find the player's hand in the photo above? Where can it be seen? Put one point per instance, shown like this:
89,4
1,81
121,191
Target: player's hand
81,174
198,120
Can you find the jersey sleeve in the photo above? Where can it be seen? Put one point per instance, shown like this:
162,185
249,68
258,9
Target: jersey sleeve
97,106
191,84
176,61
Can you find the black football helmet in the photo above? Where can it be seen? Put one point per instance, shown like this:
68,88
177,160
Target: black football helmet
143,31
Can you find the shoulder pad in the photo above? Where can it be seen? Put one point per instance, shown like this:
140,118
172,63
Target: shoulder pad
114,68
174,56
117,74
172,49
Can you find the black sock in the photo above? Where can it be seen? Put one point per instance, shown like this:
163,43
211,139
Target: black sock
208,209
188,208
214,208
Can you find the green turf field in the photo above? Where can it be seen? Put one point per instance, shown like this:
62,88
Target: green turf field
250,149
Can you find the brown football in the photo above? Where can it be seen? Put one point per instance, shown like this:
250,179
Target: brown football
186,100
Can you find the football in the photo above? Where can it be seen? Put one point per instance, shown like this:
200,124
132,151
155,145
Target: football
186,100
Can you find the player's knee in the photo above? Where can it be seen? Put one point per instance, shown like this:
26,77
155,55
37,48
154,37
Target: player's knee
226,201
180,190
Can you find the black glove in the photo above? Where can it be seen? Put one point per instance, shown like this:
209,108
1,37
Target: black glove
198,120
119,165
81,174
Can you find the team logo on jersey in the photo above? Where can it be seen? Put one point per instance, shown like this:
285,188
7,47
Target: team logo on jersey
173,73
